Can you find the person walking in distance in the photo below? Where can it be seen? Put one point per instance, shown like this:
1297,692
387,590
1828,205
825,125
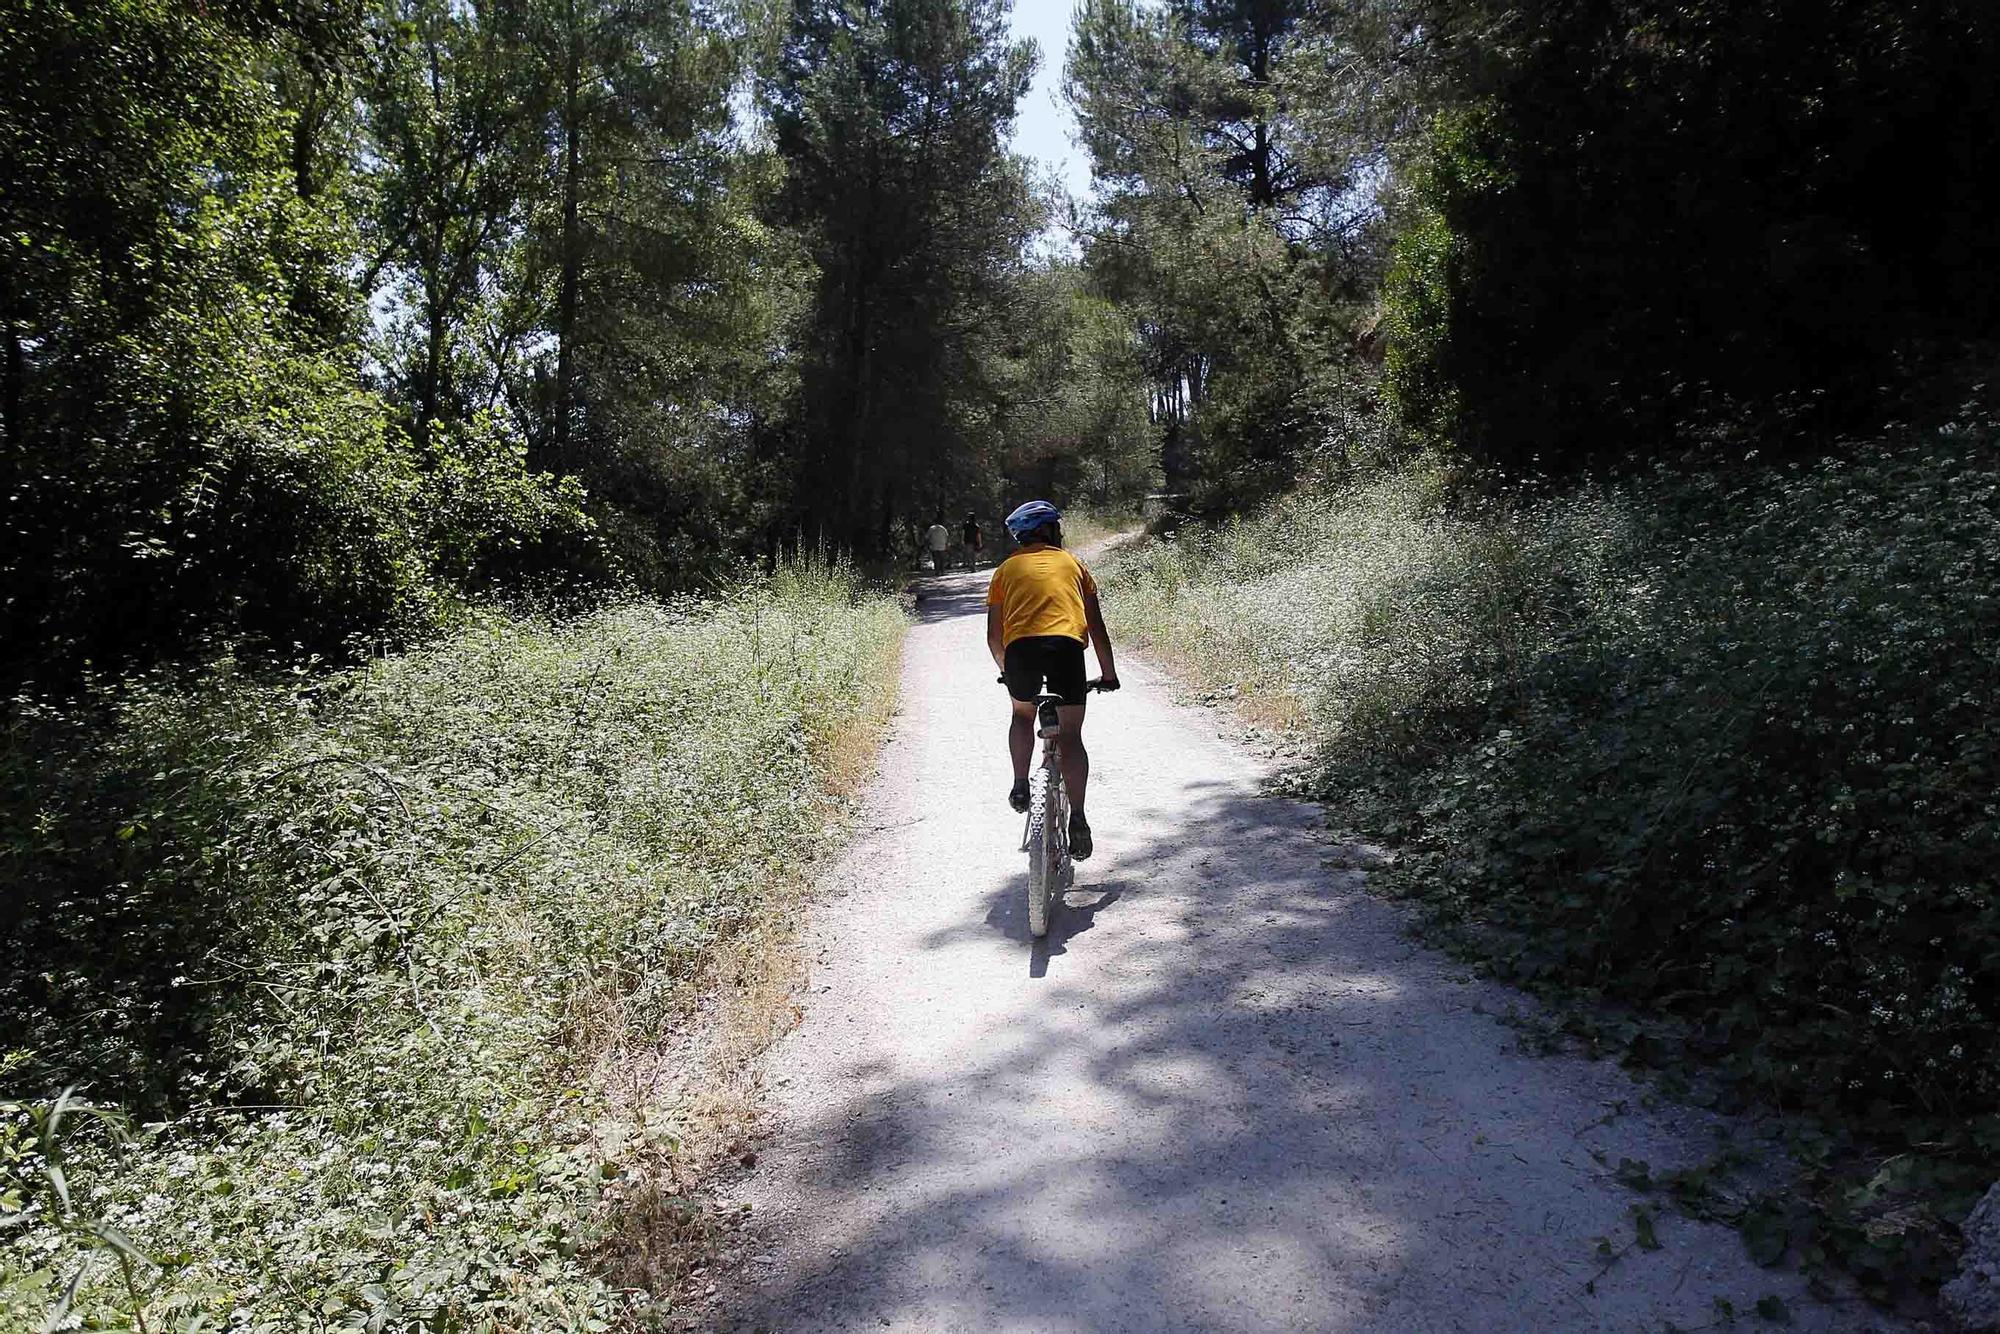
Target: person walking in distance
938,539
1041,609
974,541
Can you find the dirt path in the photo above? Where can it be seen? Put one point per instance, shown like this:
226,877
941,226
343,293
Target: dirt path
1228,1094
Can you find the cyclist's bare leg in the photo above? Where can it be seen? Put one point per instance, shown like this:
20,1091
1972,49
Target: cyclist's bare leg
1075,759
1021,738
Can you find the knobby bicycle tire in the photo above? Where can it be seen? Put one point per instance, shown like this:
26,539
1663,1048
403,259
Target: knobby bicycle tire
1045,850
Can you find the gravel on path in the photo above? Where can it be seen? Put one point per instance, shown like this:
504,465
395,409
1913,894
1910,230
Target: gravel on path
1227,1093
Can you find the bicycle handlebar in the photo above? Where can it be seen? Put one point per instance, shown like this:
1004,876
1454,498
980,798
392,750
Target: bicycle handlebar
1088,686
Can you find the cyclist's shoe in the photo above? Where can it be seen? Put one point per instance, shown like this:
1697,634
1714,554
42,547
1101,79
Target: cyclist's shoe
1079,837
1018,798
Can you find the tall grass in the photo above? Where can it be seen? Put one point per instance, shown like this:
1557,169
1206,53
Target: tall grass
1085,527
1715,743
363,955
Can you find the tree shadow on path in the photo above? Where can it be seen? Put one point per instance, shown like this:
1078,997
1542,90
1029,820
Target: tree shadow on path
948,597
1255,1105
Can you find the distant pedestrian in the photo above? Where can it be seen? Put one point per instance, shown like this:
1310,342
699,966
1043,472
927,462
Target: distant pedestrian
938,539
974,543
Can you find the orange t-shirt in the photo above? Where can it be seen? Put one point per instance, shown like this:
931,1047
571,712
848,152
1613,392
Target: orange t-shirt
1040,591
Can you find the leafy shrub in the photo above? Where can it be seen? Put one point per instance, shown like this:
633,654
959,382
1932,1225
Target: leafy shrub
189,453
347,946
1457,166
486,517
1635,207
1718,745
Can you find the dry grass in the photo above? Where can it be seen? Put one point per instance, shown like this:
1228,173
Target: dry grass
847,756
1277,710
1269,704
1091,528
666,1228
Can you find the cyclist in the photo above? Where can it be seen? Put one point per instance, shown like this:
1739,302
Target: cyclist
1041,609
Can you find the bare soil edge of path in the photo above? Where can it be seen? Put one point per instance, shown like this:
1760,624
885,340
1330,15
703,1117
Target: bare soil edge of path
669,1230
1251,1103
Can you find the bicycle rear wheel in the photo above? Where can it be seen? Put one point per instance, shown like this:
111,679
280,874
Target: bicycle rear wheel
1045,849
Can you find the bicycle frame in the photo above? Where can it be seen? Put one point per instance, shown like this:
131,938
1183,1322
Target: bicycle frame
1045,834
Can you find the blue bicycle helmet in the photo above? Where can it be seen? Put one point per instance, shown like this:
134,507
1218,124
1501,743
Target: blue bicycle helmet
1031,516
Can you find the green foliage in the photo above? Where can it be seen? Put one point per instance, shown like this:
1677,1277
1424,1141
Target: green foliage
1235,227
482,508
351,946
1712,743
314,318
175,456
891,119
1076,426
1606,218
1431,270
189,452
317,317
565,248
453,108
1674,207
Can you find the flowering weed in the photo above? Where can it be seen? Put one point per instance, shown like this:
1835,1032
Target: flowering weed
348,953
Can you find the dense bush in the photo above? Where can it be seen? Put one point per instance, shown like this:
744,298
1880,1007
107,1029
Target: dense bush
1632,205
350,946
187,450
1717,744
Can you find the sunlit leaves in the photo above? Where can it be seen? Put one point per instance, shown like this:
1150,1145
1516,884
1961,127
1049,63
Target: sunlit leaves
371,932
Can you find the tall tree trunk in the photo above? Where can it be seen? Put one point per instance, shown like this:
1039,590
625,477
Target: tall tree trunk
307,302
848,433
305,128
429,392
17,373
11,433
568,290
1263,191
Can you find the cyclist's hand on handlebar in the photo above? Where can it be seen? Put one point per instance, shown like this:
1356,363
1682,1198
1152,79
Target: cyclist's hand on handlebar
1108,682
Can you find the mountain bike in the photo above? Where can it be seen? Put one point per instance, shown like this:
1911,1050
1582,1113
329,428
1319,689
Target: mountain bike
1045,837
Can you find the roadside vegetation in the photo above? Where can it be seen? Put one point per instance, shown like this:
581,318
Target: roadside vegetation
1712,743
370,986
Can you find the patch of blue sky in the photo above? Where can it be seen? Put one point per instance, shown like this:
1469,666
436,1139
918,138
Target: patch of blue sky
1045,126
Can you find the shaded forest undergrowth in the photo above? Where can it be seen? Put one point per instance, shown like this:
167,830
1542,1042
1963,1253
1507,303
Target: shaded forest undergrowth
1706,751
371,985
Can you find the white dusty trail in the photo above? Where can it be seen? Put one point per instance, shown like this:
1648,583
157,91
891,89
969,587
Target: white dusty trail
1227,1094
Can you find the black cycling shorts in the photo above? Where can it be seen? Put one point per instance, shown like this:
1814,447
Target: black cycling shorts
1055,659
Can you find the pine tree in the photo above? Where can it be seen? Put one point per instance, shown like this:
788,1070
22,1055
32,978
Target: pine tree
891,117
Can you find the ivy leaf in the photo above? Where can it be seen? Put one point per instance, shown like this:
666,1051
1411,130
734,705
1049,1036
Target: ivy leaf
1765,1235
1772,1308
1642,1225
